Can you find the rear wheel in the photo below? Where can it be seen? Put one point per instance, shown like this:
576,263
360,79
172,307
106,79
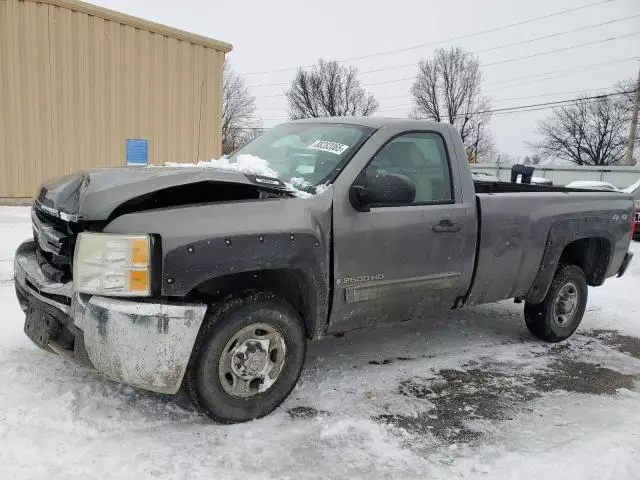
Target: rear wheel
560,312
247,359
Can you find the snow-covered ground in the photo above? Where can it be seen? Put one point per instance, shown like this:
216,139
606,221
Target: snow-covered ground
467,395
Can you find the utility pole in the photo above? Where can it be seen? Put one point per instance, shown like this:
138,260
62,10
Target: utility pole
475,147
634,123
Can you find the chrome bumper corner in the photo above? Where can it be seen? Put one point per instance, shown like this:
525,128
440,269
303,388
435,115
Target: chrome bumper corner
147,345
28,275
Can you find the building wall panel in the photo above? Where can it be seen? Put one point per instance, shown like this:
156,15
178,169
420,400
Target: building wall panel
76,81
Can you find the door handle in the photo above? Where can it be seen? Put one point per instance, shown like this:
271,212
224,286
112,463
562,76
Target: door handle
446,226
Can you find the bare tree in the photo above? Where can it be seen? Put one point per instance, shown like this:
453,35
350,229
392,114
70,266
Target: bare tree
238,109
328,89
627,91
248,135
448,89
590,131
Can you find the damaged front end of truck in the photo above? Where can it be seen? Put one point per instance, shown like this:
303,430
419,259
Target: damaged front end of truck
119,271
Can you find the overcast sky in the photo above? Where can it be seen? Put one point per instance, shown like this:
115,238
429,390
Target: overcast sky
281,34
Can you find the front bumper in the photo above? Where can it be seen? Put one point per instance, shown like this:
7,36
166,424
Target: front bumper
144,344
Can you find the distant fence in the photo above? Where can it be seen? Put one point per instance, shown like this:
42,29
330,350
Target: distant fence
620,177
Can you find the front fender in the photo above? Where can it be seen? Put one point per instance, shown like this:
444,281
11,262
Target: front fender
204,242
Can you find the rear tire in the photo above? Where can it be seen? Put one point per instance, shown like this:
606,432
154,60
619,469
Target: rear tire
561,311
248,357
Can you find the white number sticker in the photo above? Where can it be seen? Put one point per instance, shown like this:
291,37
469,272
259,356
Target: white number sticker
327,146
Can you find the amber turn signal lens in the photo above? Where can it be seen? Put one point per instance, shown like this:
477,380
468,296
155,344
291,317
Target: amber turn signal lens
140,251
139,280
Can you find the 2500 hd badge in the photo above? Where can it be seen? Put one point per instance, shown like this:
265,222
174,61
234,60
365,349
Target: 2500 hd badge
359,279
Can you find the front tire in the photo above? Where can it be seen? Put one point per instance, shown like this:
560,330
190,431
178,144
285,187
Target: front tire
248,357
561,311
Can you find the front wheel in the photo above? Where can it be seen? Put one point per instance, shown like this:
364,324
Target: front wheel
560,312
247,359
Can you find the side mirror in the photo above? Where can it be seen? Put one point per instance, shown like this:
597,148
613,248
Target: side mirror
385,189
359,197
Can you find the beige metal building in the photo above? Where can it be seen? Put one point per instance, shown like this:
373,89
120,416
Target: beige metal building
83,87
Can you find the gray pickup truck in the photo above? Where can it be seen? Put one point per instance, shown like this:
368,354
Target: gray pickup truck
214,279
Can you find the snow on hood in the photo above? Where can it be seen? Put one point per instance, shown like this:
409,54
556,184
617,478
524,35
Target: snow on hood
253,165
244,164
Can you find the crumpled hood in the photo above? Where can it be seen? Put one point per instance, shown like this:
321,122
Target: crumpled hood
95,194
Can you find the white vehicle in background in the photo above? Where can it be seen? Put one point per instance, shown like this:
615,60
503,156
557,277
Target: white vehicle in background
484,176
541,181
488,177
592,185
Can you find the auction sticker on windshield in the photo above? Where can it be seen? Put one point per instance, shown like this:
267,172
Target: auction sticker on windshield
327,146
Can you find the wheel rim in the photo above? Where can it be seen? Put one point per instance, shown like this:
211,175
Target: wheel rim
566,303
252,360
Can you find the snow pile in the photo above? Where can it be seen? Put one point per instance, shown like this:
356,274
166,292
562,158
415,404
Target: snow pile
254,165
299,182
243,163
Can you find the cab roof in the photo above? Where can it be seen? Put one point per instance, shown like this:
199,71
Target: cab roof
371,122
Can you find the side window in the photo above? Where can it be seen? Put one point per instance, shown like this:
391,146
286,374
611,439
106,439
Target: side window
421,157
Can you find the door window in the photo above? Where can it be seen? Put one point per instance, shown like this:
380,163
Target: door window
422,157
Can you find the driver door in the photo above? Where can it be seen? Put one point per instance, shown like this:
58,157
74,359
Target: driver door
410,260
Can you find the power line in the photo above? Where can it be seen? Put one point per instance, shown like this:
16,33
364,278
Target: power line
555,103
560,72
506,45
564,49
536,78
515,59
534,106
574,92
400,107
452,39
509,60
527,107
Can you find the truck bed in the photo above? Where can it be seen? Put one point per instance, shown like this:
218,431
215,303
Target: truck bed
509,187
522,226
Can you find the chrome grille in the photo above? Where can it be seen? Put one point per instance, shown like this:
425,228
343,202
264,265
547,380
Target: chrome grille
55,242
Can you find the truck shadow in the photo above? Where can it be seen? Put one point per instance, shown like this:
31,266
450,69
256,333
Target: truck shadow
498,324
448,399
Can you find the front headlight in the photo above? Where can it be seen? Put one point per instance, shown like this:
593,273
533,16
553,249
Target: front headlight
112,264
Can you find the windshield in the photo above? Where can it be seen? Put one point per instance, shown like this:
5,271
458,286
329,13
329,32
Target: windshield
306,154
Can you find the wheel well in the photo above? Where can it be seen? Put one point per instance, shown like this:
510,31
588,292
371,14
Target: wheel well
591,255
288,284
